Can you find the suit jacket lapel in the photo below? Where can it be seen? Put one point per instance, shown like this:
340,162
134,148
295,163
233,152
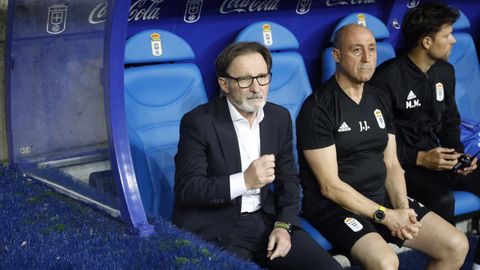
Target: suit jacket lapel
267,134
227,137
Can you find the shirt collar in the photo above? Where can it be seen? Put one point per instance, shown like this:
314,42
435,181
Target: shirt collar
236,116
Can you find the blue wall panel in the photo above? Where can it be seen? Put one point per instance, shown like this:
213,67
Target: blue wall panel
55,96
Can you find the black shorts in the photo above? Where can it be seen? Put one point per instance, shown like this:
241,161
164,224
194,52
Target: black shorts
343,228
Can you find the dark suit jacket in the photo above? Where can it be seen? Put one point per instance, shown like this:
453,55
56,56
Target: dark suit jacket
208,154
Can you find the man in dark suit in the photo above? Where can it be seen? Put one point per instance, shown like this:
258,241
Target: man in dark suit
230,152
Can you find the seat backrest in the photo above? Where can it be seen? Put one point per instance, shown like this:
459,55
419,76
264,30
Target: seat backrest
290,85
160,87
380,31
464,58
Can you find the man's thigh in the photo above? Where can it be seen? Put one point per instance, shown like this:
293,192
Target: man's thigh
437,237
341,227
248,237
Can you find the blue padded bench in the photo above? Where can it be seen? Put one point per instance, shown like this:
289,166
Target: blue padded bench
315,234
467,206
161,85
380,31
466,203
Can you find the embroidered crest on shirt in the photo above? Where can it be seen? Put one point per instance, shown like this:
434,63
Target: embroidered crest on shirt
344,128
379,117
353,224
439,91
412,101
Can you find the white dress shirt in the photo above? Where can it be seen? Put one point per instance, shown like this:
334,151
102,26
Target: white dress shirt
249,145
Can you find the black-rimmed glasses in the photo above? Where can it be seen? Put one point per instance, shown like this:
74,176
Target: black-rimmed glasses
247,81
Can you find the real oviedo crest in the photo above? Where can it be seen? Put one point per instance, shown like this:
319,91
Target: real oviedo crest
57,19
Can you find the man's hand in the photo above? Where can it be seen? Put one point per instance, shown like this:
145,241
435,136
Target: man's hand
402,223
260,172
468,169
439,158
278,243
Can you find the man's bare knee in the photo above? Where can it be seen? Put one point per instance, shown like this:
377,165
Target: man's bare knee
387,261
457,247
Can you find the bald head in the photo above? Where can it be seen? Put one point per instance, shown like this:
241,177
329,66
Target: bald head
347,30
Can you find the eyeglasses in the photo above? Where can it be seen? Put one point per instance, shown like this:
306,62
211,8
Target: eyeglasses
247,81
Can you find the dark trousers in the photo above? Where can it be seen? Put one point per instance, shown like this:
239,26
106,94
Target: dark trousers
249,240
435,188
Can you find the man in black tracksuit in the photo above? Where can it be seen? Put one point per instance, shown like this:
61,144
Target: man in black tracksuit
421,85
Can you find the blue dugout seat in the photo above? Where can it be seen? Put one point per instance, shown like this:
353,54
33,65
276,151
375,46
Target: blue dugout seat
161,85
385,50
290,85
466,203
467,71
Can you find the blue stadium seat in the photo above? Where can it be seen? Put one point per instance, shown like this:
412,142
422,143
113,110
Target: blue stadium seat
290,85
467,71
385,50
466,202
322,241
160,87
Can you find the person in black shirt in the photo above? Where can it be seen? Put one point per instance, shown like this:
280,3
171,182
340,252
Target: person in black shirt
354,187
421,85
422,88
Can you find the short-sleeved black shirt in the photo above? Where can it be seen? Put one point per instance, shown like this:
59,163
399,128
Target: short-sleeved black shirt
359,133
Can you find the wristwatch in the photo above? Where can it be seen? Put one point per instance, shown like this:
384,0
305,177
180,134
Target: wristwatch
283,225
379,215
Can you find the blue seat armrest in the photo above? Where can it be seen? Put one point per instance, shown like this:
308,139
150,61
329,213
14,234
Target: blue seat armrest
466,202
315,234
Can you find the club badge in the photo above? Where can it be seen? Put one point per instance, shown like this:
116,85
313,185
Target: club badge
361,19
353,224
57,19
440,94
267,35
156,44
303,6
193,11
379,117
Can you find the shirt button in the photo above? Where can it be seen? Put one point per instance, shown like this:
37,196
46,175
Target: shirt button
235,216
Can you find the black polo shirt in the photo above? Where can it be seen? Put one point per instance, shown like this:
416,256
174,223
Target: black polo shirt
424,109
359,133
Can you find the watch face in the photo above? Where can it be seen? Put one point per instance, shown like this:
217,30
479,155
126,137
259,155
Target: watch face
379,216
